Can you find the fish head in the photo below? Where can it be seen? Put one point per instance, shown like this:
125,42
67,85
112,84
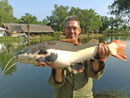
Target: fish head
27,55
35,56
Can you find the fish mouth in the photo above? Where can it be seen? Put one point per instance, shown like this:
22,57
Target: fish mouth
26,59
31,59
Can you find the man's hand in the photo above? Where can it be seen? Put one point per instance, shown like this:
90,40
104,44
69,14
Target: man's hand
43,64
103,51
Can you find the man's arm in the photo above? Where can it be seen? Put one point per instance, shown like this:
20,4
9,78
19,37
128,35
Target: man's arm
97,66
57,72
102,54
58,75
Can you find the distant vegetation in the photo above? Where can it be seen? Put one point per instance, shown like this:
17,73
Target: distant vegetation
121,8
90,21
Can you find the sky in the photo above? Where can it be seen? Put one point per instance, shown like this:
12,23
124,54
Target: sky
43,8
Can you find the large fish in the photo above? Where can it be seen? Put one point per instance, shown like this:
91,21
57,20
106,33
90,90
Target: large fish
65,53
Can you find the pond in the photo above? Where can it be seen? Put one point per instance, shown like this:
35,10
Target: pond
29,81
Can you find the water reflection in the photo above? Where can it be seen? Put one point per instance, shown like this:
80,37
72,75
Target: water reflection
4,58
7,51
2,47
29,81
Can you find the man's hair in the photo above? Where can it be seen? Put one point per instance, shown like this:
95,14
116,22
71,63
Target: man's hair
71,18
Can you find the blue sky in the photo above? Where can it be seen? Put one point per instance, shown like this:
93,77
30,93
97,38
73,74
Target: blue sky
43,8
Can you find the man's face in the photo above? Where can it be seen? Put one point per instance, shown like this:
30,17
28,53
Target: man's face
72,30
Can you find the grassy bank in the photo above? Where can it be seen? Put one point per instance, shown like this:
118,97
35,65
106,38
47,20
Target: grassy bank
10,39
47,37
57,37
112,94
42,38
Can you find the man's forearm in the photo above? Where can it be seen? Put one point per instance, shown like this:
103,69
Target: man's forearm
58,75
97,66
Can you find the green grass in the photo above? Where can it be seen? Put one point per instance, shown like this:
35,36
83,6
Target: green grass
7,38
42,38
121,93
56,37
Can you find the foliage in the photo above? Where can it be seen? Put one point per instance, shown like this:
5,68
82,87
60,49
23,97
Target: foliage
28,19
111,24
105,23
115,23
88,18
58,16
90,21
44,22
120,8
6,12
4,58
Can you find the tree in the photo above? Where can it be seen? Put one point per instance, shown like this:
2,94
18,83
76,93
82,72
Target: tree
57,18
44,22
120,8
105,23
28,19
89,20
6,12
115,23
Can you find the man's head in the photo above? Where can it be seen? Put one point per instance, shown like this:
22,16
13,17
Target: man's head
72,27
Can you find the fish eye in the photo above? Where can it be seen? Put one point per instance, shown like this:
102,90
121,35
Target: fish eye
42,52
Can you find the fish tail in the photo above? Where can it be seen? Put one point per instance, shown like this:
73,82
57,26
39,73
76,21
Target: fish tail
118,50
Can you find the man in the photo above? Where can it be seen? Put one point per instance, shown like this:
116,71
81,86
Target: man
77,81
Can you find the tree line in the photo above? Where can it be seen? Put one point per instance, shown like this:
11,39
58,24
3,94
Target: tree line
90,21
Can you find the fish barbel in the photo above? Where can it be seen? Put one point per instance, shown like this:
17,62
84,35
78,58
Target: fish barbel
65,53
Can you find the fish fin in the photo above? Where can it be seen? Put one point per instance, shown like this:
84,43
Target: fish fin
119,50
70,41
